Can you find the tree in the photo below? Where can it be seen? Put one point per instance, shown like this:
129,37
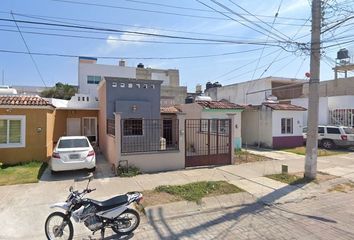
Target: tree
60,90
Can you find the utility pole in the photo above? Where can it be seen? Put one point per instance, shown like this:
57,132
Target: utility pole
312,122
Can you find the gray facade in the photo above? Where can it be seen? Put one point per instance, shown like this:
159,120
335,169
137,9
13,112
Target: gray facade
139,101
133,98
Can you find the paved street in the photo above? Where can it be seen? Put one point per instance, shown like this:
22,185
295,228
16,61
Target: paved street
330,216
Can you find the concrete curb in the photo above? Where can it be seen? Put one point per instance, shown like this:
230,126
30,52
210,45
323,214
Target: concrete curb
171,210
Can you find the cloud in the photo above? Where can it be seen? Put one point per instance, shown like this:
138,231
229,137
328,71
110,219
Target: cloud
295,6
115,42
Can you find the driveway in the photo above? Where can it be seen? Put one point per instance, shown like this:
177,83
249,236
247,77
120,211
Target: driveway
103,170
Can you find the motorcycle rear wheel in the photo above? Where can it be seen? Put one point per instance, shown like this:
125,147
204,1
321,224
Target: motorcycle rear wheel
60,228
125,219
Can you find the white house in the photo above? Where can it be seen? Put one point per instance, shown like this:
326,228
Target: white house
272,125
90,74
257,91
333,110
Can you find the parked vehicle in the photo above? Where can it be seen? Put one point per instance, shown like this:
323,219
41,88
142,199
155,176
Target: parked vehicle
330,137
113,213
73,153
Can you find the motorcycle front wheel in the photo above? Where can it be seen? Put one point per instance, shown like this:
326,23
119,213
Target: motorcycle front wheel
127,222
57,226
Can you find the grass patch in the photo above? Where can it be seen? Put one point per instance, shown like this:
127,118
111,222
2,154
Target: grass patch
130,171
196,191
321,152
21,173
290,179
243,156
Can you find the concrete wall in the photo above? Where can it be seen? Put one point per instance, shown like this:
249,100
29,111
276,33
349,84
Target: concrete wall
297,122
341,102
155,161
294,139
323,109
237,93
86,69
60,121
176,93
122,99
37,143
257,128
339,87
169,77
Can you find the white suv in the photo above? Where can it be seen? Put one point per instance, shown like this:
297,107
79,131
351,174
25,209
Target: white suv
333,136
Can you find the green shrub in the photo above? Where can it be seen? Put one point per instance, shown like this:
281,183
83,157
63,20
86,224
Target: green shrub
130,171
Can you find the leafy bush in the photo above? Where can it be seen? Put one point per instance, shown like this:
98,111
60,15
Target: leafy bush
130,171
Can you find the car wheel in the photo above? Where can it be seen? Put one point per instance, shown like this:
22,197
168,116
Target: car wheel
92,169
327,144
53,172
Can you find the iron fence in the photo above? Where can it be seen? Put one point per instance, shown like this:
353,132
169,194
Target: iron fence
149,135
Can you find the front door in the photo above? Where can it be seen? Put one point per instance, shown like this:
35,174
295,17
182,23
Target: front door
167,131
73,127
89,127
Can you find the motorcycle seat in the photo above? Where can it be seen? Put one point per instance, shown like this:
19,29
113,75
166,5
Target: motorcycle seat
115,201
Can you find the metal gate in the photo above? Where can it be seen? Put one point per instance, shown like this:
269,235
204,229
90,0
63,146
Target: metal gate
208,142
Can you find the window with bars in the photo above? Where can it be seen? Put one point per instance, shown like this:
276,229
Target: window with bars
12,131
133,127
287,125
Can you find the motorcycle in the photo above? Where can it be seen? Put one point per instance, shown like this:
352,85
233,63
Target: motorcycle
113,213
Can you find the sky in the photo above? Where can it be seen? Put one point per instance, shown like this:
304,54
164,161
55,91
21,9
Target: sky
231,62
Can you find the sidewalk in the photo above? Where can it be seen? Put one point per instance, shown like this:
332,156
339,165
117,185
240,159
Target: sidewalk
21,202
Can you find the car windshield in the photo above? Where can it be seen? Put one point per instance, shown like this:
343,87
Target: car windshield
73,143
348,130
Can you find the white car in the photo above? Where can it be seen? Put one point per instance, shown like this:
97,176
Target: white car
73,153
333,136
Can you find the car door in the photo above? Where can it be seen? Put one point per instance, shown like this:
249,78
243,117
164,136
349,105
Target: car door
321,133
333,133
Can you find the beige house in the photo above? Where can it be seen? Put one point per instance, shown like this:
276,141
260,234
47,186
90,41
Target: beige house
30,126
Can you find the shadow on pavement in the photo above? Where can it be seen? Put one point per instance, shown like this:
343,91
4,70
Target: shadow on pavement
103,170
262,204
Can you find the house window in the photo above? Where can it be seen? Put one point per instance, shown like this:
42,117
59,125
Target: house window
286,125
93,79
133,127
12,131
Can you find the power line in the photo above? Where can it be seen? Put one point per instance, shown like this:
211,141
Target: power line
244,73
240,67
147,34
337,24
275,18
125,57
159,12
50,18
269,25
111,39
29,52
197,9
234,19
